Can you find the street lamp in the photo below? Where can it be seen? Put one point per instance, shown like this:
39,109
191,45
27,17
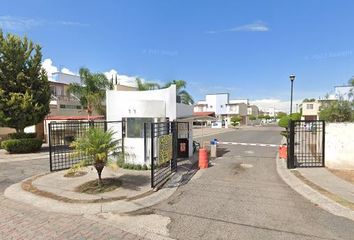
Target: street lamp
292,78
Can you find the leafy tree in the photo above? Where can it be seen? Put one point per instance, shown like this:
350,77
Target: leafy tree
143,86
235,120
295,116
186,98
91,91
24,86
309,100
338,111
96,144
281,114
284,122
252,117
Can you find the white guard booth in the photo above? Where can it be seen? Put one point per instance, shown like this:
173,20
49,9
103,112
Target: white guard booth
139,107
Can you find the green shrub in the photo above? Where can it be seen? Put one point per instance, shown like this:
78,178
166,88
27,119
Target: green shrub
24,145
284,122
21,135
145,167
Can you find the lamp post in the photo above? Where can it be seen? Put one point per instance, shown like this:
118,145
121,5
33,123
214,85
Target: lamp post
292,78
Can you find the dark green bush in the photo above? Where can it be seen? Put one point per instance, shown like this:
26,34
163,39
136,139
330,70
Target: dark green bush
145,167
131,166
21,135
24,145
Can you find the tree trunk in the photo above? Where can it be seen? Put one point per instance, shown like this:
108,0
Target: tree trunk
99,167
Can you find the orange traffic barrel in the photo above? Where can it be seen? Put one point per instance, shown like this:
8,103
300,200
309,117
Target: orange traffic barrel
283,152
203,158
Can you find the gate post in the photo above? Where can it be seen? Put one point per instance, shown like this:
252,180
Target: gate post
50,146
174,128
152,154
323,142
290,163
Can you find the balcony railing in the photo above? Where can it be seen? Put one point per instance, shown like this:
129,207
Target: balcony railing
65,98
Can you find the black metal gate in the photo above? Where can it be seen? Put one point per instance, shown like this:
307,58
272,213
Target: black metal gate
162,141
62,134
306,144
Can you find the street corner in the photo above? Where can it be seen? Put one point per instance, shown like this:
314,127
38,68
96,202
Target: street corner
320,187
122,191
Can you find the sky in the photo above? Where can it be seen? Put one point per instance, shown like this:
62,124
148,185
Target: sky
247,48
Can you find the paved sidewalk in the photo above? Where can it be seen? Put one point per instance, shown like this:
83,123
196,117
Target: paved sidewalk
325,179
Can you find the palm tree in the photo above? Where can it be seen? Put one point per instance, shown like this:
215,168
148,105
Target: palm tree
96,144
91,91
143,86
186,98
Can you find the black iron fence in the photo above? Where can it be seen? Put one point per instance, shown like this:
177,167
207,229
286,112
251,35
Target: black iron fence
62,134
306,144
165,142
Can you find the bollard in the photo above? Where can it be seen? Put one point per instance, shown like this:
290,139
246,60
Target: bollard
283,152
203,158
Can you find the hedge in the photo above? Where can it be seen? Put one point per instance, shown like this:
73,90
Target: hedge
21,135
24,145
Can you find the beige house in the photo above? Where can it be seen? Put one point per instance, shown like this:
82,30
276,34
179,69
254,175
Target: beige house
310,110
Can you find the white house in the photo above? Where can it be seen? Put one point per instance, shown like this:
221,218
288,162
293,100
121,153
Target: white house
139,107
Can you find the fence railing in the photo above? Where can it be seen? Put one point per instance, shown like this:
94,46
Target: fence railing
62,134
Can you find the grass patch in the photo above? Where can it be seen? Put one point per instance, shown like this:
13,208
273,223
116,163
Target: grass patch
92,187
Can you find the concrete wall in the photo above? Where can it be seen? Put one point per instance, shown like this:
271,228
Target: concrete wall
339,145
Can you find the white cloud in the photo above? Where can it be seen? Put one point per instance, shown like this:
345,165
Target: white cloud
122,79
47,64
67,71
280,105
252,27
21,23
18,23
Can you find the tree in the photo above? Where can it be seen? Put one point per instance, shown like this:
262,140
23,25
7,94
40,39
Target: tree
281,114
351,93
24,86
338,111
186,98
284,122
96,144
91,91
309,100
143,86
252,117
235,120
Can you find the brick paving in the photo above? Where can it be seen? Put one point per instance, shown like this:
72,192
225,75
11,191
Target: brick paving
21,221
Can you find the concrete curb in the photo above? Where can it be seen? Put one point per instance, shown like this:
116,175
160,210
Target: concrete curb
311,194
15,192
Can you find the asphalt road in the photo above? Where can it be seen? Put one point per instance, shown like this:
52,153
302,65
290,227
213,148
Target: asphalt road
229,201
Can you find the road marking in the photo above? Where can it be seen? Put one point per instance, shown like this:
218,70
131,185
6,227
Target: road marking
249,144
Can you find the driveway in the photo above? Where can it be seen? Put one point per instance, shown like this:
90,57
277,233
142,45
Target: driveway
242,197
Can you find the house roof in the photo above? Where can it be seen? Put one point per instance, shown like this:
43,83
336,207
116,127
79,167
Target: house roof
99,117
212,114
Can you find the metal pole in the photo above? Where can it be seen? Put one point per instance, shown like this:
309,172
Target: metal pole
152,154
50,147
291,97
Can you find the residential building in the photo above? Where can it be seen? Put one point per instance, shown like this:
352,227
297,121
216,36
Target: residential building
225,108
310,110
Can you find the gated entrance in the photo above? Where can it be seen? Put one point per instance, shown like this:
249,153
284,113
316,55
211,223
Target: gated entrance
62,134
165,142
306,143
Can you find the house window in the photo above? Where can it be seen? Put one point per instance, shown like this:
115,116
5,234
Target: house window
309,106
211,106
135,127
64,106
220,106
